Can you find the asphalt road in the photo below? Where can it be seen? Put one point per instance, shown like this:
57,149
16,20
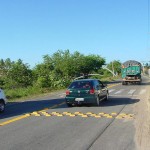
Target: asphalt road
48,124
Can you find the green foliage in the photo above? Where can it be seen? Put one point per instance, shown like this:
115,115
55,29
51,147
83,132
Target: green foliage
55,72
18,75
91,63
5,65
115,65
58,70
23,92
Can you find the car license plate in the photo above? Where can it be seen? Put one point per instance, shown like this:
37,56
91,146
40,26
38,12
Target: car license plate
79,99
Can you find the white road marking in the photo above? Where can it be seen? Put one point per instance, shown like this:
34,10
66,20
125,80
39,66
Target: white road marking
131,91
120,91
142,91
111,90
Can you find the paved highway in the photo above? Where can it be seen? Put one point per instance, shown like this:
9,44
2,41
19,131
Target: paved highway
48,124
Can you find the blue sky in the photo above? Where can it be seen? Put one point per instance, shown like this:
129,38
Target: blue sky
114,29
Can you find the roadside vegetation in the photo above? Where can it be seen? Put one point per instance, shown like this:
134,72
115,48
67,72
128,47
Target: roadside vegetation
54,73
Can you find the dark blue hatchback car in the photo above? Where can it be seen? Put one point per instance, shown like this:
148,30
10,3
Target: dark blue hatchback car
86,91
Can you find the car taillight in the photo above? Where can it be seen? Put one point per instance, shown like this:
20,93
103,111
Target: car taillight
67,92
92,91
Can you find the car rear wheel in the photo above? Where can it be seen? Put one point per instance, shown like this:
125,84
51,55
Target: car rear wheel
106,98
69,105
2,106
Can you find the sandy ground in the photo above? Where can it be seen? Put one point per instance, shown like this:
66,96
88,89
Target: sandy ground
142,122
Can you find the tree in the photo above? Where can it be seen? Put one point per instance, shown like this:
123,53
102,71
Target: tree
60,68
18,75
91,63
115,66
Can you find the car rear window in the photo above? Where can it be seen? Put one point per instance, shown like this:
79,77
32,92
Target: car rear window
81,85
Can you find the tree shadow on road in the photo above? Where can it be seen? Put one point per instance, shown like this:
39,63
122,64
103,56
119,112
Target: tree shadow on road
14,109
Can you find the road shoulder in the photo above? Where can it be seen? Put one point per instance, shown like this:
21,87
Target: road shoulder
142,122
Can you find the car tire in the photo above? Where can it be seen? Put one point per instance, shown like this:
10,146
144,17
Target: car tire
106,98
97,101
69,105
2,106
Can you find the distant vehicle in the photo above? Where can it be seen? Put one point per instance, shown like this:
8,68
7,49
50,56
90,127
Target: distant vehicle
3,101
131,72
86,91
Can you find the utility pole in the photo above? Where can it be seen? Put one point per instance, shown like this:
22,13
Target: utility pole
105,67
144,65
113,68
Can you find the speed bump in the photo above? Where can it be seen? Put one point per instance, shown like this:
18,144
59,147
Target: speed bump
109,116
35,113
46,114
89,113
80,114
113,114
72,115
59,115
105,115
53,113
83,115
97,116
65,113
101,113
93,115
77,112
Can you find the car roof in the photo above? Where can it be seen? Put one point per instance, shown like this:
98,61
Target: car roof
85,80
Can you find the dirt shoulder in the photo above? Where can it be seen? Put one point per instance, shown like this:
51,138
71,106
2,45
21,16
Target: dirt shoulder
142,122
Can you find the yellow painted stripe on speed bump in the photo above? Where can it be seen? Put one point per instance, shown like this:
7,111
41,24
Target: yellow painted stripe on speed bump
97,116
101,113
72,115
45,113
113,114
109,117
88,114
64,113
84,116
93,115
76,113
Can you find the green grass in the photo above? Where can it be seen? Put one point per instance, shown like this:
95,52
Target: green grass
13,94
34,91
108,79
